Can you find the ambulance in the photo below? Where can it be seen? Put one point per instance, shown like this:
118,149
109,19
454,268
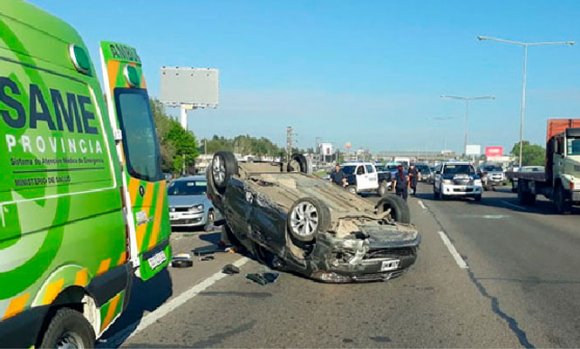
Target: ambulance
83,203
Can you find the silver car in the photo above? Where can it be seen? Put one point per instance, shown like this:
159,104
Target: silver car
188,203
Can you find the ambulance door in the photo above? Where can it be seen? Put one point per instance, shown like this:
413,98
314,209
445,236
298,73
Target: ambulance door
138,148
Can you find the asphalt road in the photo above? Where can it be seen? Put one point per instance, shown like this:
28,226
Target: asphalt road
520,287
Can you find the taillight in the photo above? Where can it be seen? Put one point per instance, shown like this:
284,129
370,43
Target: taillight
571,185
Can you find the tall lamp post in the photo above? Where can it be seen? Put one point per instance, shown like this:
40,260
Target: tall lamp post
467,100
525,45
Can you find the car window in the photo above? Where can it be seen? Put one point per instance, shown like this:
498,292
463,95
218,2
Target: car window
360,170
187,188
370,169
348,170
573,146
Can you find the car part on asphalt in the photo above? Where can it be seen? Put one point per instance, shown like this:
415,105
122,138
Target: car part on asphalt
182,260
230,269
263,278
204,250
206,258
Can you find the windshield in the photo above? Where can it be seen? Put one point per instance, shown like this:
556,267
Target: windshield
423,168
458,169
573,146
187,188
492,168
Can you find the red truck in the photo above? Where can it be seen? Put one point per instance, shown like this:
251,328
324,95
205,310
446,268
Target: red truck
560,182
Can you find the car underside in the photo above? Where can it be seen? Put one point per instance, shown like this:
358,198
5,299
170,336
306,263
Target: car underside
294,221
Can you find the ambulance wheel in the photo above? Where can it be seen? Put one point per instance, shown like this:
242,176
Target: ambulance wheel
68,329
223,166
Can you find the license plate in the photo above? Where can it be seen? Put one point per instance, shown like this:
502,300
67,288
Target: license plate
389,265
157,259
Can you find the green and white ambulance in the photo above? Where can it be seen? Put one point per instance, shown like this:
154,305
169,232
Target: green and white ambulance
83,203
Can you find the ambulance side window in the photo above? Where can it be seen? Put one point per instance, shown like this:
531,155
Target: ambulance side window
140,143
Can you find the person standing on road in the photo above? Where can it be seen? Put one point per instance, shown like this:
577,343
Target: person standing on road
338,177
413,178
401,183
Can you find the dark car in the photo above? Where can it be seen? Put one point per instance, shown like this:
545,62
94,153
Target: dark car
294,221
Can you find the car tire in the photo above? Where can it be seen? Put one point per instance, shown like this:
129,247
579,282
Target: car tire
307,217
223,166
399,209
209,221
382,191
562,205
297,163
351,189
68,326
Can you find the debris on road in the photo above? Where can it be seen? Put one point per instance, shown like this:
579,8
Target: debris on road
182,260
263,278
231,269
205,250
206,258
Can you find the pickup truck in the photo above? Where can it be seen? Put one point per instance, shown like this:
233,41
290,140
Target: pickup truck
363,177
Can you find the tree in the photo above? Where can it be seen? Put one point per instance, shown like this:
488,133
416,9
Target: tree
532,154
178,147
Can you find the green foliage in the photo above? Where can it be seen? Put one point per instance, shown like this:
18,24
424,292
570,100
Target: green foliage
245,145
532,154
178,146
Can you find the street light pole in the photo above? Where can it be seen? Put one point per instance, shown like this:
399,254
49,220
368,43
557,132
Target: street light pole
466,100
525,45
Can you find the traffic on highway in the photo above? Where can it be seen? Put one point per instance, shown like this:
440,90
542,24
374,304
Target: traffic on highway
121,229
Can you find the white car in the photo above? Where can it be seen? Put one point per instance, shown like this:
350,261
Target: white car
457,179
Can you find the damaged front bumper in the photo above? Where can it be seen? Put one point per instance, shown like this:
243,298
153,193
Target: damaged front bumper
377,253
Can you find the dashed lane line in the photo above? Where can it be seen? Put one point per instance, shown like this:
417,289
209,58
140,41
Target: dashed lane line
460,262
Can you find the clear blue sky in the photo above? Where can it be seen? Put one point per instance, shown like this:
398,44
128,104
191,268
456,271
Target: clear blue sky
368,72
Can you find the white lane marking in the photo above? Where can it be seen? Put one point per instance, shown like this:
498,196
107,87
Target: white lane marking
484,216
422,205
460,262
168,307
514,205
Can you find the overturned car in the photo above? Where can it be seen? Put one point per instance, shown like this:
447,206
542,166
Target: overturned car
294,221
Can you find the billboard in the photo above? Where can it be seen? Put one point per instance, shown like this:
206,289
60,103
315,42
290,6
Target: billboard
493,151
473,149
326,149
198,87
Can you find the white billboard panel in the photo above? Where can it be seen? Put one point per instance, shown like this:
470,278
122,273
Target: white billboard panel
198,87
326,149
473,149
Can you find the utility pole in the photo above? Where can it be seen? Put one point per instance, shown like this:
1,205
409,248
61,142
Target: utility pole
289,133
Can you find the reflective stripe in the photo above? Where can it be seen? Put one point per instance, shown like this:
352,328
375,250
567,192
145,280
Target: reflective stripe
104,266
82,277
16,306
111,312
52,291
158,215
145,206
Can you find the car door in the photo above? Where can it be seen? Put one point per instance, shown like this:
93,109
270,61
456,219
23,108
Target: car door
362,181
372,176
438,177
138,148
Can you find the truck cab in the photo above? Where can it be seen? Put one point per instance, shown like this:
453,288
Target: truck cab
564,167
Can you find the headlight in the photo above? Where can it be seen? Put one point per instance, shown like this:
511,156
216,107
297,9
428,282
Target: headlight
447,181
196,208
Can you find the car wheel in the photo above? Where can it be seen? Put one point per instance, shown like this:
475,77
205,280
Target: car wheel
382,188
297,163
209,221
68,329
351,189
562,205
306,217
399,209
477,197
223,167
